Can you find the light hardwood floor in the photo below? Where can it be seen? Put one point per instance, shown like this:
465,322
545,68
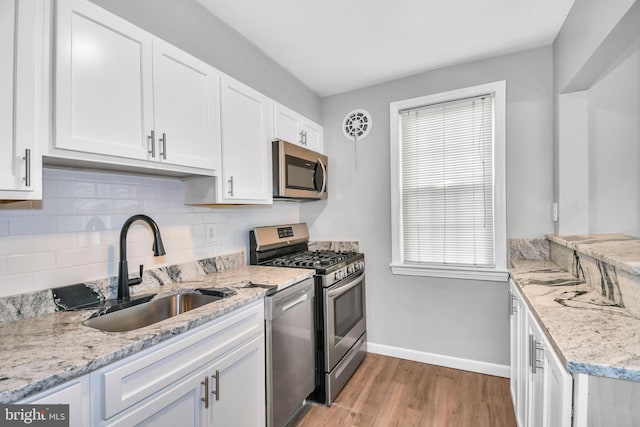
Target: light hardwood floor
386,391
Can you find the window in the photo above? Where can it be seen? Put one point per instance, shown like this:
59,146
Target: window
447,181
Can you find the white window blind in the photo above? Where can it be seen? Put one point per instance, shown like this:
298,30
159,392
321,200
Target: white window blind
447,187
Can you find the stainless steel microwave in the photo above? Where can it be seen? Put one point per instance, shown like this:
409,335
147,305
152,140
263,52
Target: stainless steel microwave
298,173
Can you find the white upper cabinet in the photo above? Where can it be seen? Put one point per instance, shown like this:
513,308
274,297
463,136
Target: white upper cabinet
297,129
246,145
126,98
187,107
21,42
103,88
312,134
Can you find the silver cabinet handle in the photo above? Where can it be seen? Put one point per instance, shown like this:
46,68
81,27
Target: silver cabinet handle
216,377
230,181
538,346
27,171
301,135
305,137
534,346
152,142
205,399
531,354
512,307
163,150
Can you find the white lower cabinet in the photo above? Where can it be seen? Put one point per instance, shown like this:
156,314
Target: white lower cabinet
541,387
237,387
212,396
75,393
214,376
518,320
178,405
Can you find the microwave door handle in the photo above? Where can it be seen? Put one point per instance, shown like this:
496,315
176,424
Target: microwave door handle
344,288
324,176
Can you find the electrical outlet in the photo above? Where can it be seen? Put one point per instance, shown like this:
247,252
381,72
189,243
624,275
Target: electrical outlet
209,233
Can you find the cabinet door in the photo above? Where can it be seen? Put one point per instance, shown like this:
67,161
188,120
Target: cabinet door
75,393
535,383
558,392
20,68
287,125
182,404
297,129
312,135
519,356
103,83
513,351
238,394
187,107
246,144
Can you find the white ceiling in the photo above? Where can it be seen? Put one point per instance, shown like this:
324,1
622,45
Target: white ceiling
334,46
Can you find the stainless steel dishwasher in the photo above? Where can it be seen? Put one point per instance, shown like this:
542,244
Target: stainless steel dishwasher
290,350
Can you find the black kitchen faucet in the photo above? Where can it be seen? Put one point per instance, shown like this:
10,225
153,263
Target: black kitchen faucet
123,272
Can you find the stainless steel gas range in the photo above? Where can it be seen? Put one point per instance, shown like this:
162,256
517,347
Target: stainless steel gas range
341,339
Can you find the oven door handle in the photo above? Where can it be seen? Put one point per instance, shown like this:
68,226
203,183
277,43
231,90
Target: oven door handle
344,288
324,177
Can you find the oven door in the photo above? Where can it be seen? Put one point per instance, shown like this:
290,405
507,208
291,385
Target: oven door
344,320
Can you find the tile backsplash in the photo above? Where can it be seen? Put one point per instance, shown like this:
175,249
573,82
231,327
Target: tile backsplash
73,235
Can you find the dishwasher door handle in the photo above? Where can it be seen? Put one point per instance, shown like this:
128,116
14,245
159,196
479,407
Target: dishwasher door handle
297,301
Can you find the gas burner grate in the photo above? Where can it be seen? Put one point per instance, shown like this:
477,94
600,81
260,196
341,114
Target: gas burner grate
312,259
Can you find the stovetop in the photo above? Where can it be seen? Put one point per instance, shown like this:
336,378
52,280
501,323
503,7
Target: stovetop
322,261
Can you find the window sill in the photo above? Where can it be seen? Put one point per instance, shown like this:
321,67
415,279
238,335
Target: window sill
491,275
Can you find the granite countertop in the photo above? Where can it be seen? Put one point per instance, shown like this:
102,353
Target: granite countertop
44,351
617,249
590,334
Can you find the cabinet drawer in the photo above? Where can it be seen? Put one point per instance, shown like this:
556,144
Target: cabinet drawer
129,381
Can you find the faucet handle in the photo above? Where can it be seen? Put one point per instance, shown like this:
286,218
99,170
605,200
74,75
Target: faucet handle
137,280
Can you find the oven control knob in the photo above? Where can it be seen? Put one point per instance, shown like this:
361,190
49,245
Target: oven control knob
339,275
349,269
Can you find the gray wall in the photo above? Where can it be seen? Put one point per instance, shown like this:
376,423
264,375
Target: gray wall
596,57
587,26
189,26
614,148
459,318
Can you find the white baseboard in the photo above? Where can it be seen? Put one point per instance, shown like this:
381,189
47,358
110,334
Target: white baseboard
440,360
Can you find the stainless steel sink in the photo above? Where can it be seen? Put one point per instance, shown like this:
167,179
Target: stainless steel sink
148,313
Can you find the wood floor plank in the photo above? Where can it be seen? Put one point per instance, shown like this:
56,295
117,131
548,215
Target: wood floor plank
390,392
